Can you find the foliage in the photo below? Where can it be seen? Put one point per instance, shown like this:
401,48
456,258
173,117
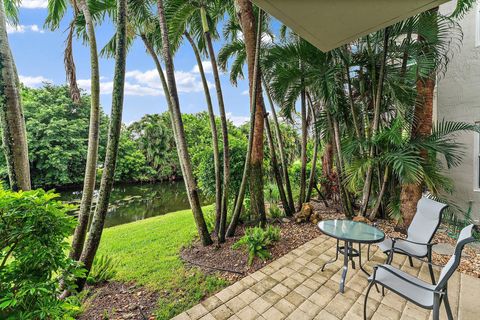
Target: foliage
103,269
256,241
150,257
275,212
33,231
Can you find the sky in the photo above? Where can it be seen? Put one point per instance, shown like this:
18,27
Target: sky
38,54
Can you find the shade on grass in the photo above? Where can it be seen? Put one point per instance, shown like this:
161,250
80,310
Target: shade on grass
146,252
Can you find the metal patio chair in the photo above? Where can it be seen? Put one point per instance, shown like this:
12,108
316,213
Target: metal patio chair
418,243
419,292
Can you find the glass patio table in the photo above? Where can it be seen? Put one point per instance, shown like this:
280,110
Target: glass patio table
350,232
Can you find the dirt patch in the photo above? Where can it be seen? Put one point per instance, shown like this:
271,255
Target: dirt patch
116,300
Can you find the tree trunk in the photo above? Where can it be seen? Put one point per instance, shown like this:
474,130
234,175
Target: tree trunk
93,140
213,128
376,120
312,177
108,174
223,119
303,155
421,127
248,23
179,131
290,210
377,205
69,62
274,163
254,86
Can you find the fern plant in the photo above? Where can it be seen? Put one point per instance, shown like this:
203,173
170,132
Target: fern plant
256,241
103,270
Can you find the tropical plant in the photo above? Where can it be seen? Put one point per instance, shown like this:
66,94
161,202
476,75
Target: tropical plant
256,241
103,270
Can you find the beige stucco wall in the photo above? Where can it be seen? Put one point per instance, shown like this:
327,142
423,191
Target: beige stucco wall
458,99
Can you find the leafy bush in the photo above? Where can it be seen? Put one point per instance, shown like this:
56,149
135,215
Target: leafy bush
103,269
256,240
209,216
33,232
274,211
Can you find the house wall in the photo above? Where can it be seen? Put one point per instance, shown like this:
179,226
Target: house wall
458,99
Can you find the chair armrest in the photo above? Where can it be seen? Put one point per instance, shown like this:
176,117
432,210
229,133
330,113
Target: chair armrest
430,263
430,244
407,280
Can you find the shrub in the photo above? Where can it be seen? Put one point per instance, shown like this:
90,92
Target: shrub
103,269
33,232
256,240
274,211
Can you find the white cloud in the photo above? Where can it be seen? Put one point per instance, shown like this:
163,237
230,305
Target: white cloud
237,120
245,93
34,4
33,82
207,67
21,28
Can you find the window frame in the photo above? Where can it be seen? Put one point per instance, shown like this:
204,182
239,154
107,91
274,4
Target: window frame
477,25
476,160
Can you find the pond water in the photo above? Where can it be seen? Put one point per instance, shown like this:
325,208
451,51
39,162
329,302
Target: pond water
132,202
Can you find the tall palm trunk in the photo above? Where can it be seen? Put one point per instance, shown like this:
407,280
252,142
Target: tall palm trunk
93,140
14,134
421,127
223,119
303,148
106,184
312,179
290,209
213,128
254,85
69,62
376,121
247,21
179,132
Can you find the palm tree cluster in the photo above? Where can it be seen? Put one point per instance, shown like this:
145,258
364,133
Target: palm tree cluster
366,107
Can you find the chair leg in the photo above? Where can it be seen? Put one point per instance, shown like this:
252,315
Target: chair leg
430,267
436,307
366,299
447,307
411,261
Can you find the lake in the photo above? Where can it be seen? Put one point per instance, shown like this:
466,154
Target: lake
132,202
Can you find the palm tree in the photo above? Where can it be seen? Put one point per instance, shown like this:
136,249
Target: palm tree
179,131
14,135
93,138
106,184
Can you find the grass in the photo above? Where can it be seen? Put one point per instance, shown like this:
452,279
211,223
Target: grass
146,252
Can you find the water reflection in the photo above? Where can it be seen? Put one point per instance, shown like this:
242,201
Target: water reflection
132,202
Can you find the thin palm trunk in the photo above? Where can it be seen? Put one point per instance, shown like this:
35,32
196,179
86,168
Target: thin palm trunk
106,184
213,128
93,140
69,62
274,163
303,153
376,121
290,209
223,119
179,132
421,127
312,177
377,205
254,94
14,135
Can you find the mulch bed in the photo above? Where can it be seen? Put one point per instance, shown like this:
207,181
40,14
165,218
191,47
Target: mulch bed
116,300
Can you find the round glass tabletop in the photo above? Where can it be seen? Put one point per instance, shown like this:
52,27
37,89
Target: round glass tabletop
351,231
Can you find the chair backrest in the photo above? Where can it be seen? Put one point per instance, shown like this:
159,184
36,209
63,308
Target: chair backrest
426,220
452,264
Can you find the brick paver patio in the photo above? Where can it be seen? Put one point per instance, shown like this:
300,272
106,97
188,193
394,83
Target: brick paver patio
294,287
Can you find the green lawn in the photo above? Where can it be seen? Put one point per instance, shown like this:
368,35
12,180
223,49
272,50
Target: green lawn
147,253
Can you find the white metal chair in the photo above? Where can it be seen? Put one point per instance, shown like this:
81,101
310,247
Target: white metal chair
421,293
418,243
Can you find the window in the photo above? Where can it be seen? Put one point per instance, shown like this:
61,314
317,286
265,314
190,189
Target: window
476,159
477,25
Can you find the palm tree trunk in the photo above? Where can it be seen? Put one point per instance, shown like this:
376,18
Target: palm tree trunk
274,163
290,210
376,120
106,184
69,62
223,119
254,85
421,127
312,177
179,131
303,155
247,21
93,140
377,205
213,128
14,135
